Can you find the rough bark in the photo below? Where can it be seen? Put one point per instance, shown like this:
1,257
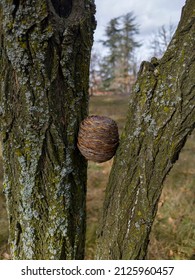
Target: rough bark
45,54
161,115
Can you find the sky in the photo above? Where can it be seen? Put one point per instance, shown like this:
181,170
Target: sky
150,15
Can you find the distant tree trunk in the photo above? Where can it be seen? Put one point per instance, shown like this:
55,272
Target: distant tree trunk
44,54
161,116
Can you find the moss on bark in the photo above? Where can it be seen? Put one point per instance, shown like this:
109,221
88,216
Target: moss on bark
161,116
43,97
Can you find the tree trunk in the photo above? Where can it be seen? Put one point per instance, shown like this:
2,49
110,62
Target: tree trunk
45,54
161,115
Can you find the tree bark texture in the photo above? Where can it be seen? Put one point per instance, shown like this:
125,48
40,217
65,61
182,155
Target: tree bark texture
45,54
161,116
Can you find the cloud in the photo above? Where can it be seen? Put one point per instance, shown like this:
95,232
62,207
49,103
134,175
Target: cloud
150,14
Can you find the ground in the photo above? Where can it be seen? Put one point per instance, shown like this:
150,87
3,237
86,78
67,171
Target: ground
173,233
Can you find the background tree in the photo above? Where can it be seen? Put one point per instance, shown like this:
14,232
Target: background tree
161,40
161,116
120,42
94,72
127,48
44,54
109,62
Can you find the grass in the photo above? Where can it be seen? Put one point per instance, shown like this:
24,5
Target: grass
114,106
173,232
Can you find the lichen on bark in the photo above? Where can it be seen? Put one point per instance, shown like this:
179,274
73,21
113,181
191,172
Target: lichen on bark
44,96
161,116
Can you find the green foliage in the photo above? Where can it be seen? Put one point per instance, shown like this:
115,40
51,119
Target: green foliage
120,42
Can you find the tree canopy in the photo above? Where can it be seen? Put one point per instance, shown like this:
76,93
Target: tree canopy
120,42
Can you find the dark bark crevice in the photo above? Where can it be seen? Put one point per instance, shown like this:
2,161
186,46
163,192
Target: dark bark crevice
16,3
63,8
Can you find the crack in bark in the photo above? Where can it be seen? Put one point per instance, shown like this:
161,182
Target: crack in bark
19,232
63,8
16,3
